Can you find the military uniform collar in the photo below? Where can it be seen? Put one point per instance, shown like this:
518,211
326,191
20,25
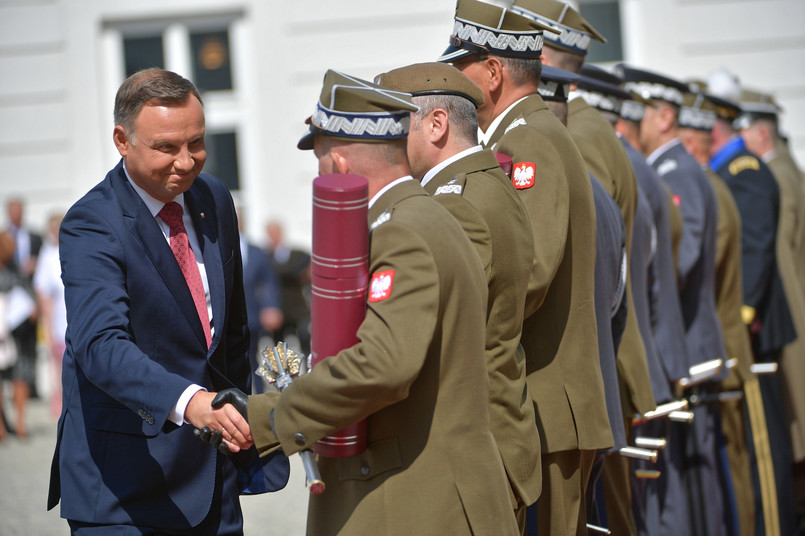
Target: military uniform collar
734,145
441,165
769,155
388,187
484,137
661,150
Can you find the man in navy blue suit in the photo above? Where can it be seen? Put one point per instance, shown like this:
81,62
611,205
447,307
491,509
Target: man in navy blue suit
152,332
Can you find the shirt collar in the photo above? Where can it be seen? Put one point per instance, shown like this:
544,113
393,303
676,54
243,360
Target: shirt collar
443,164
484,137
388,187
153,204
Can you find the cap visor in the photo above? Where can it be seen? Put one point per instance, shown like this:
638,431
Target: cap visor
306,141
453,54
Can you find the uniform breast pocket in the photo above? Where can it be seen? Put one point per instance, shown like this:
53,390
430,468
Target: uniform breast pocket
377,459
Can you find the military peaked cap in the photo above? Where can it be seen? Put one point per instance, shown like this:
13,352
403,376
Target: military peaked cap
482,28
576,33
601,89
554,84
650,85
354,109
431,79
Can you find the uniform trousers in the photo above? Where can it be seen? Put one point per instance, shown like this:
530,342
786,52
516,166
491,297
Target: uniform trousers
704,477
659,504
734,426
561,507
779,439
616,488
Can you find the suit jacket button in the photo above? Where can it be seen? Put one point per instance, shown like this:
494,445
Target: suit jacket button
299,438
365,470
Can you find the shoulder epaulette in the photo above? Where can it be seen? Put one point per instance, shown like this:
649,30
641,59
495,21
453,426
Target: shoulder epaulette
383,218
743,163
455,186
667,167
516,123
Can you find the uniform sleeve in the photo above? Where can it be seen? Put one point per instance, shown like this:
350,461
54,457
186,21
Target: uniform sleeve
99,328
378,371
547,203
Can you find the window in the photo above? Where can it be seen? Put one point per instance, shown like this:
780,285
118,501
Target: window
605,17
204,49
222,158
211,64
143,52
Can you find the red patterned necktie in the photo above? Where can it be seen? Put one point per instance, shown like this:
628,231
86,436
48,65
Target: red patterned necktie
171,214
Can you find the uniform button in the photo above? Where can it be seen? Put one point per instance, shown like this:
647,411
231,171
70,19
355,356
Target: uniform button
365,469
299,438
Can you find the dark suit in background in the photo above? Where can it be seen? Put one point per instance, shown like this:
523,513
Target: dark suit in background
292,266
610,315
262,289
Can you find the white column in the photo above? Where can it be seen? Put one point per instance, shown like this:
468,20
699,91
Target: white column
178,55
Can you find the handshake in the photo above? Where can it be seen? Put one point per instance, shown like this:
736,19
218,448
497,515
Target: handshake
228,430
234,433
227,410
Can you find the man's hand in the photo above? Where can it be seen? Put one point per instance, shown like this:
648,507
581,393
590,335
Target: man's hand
236,397
227,421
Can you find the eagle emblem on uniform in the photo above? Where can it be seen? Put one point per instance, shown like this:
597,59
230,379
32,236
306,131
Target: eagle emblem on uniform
523,175
381,285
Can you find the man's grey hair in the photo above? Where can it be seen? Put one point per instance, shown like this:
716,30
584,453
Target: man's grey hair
523,71
157,86
461,114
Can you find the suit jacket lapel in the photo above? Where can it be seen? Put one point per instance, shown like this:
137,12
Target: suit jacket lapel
146,232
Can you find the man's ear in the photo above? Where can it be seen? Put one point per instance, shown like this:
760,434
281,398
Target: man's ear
667,118
494,73
340,160
121,140
766,135
438,124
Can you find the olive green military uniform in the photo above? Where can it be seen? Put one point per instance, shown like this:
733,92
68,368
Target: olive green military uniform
560,338
476,182
729,299
790,245
607,161
419,378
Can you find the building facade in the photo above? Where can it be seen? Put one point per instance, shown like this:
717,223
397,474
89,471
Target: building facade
260,65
